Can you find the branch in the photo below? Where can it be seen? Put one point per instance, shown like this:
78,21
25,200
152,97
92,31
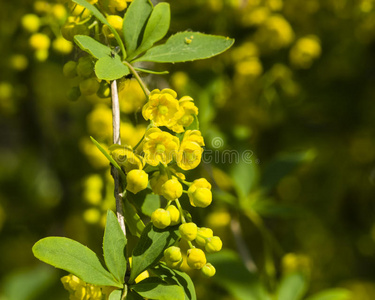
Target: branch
117,140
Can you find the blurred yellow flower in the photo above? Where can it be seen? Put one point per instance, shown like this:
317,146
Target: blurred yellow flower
305,51
131,96
161,107
159,147
80,290
190,153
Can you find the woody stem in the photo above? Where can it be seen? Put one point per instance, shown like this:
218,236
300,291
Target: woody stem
117,140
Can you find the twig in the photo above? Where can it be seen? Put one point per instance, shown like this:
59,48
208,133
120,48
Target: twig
117,140
242,248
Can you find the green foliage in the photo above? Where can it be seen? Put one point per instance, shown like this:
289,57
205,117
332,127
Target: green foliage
135,20
154,288
176,277
233,276
110,68
114,247
292,286
331,294
187,46
150,248
115,295
156,28
71,256
132,219
92,46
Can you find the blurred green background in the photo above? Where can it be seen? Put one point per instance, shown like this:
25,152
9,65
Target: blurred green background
294,97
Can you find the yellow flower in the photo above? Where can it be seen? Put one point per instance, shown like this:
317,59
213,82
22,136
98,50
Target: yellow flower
196,258
126,158
159,147
185,116
137,181
190,153
161,107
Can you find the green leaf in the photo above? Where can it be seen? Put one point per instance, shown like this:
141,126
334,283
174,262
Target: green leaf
134,23
245,175
28,284
232,275
150,247
156,28
133,296
179,49
109,157
115,295
155,288
102,19
151,71
114,243
92,46
145,201
282,166
332,294
176,277
110,68
132,219
292,287
71,256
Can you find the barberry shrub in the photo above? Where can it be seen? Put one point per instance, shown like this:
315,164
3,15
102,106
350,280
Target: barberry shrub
116,39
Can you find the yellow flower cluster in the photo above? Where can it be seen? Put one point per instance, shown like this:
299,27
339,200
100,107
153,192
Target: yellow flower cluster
80,290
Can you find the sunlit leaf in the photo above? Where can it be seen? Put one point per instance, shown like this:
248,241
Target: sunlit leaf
187,46
73,257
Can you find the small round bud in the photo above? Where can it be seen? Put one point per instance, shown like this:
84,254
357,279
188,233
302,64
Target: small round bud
202,197
200,193
171,189
116,22
208,270
157,181
161,218
89,86
175,215
62,46
137,181
70,69
85,67
214,244
173,254
30,22
41,54
196,258
203,234
188,231
39,41
74,93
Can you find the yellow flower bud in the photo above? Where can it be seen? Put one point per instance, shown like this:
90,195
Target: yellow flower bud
171,189
188,231
157,181
39,41
200,193
89,86
196,258
137,181
175,215
208,270
74,93
70,69
203,234
116,22
161,218
62,46
30,22
214,244
173,254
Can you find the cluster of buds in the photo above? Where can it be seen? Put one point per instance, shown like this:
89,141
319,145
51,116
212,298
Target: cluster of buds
80,290
158,162
40,26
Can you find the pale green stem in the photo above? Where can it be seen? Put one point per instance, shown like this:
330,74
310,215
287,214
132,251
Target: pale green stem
140,81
